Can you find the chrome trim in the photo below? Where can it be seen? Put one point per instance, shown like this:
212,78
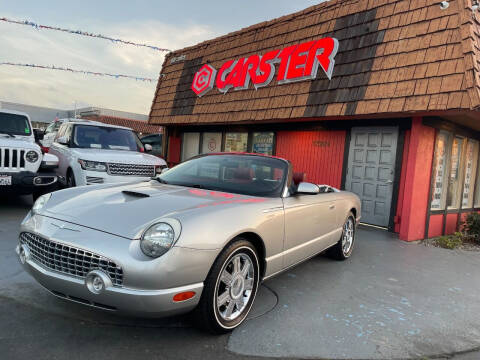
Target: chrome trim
69,260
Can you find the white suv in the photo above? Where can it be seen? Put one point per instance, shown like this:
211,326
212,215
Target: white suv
91,152
23,168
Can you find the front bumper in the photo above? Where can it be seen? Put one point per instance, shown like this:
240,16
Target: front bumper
26,182
149,303
149,285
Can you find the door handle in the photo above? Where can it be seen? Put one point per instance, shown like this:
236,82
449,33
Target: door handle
331,207
389,182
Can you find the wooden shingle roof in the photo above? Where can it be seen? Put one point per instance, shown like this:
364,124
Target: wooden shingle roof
394,57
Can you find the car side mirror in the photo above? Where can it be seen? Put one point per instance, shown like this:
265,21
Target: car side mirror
38,134
148,147
307,189
62,140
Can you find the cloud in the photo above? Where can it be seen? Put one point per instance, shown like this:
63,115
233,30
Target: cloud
58,89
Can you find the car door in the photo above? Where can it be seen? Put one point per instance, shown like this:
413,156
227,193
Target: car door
310,225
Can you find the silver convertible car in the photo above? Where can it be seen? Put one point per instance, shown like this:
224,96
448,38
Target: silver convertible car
201,236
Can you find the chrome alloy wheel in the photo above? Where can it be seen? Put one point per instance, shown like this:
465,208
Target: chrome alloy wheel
348,236
235,286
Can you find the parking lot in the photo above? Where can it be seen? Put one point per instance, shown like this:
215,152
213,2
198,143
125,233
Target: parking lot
391,300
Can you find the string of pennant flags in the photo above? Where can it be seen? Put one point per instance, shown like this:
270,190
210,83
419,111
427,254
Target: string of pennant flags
85,72
82,33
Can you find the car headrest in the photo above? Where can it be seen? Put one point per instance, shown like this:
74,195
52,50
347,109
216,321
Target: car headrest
243,174
299,177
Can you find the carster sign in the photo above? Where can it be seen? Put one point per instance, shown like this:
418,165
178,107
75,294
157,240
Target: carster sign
295,63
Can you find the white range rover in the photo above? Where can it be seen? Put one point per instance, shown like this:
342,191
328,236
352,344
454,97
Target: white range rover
23,168
91,152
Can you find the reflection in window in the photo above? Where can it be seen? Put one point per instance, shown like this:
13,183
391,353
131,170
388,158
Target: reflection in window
439,193
456,171
236,142
471,161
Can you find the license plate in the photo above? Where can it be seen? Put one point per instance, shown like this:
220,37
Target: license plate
5,180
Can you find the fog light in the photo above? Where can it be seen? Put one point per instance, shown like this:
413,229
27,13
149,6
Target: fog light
24,254
97,281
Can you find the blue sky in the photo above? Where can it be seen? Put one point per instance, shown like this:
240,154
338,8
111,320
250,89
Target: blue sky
170,24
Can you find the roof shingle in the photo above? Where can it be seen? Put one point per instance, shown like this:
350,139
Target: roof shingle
395,56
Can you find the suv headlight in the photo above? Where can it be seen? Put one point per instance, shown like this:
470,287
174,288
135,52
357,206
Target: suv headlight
31,156
41,202
93,165
157,240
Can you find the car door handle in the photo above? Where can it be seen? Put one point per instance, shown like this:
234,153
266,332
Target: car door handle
331,207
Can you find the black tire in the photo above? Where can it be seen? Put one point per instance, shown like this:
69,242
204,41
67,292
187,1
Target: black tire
207,314
338,252
70,179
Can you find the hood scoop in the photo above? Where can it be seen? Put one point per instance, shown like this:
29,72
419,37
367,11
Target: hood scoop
135,194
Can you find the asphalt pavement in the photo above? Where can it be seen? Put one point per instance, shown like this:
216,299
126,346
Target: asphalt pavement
392,300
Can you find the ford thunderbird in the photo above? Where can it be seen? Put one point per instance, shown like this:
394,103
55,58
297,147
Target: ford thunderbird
201,236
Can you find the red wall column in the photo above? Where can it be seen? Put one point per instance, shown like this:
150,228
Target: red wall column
417,181
174,147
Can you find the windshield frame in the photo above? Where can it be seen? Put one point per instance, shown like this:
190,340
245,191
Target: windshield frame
73,144
281,192
25,118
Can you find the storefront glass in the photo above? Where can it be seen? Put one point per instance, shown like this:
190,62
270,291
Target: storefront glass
236,142
456,173
190,145
471,162
263,143
439,192
211,143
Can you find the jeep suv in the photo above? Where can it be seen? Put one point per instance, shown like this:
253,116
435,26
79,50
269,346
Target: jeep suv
91,152
23,167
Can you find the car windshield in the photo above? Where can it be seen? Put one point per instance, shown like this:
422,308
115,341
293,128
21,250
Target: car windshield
99,137
241,174
13,124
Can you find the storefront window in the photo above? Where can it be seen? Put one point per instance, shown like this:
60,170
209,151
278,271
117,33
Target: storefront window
456,173
263,143
471,162
439,192
211,143
190,145
236,142
476,201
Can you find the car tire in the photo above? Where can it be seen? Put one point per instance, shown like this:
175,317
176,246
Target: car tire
71,179
343,249
230,288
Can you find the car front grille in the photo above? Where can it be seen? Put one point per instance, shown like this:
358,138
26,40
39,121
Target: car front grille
131,170
12,159
68,259
94,180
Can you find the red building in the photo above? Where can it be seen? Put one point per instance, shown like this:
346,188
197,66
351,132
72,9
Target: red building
379,97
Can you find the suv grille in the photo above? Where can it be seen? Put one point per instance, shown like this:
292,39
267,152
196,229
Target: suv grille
69,260
12,159
131,170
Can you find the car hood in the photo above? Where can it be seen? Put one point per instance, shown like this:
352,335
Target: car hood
23,142
117,156
126,210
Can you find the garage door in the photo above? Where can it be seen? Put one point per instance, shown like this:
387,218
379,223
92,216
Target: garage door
371,169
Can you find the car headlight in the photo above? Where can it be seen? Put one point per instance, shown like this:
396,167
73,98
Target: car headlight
31,156
92,165
157,240
41,202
